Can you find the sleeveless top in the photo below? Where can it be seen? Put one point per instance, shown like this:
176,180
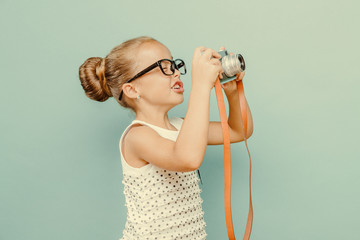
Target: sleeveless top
161,204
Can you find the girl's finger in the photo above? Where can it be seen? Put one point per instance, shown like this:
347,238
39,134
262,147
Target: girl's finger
220,76
242,74
210,53
198,51
215,61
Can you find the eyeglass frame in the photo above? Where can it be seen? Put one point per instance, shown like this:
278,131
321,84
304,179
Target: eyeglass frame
154,65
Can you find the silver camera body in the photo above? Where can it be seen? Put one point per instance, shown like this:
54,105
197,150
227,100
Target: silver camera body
232,65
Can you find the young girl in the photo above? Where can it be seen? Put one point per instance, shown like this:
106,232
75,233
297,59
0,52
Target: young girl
160,155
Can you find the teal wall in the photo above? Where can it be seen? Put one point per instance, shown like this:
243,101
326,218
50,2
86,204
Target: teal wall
60,171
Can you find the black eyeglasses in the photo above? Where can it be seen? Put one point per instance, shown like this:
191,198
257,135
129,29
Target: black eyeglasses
167,66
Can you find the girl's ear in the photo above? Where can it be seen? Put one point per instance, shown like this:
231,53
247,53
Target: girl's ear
130,90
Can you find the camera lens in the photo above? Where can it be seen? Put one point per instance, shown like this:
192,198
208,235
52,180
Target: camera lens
232,64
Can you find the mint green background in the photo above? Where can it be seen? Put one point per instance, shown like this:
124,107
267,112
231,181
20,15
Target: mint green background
60,171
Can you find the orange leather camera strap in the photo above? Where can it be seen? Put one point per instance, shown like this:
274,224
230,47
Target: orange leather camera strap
227,157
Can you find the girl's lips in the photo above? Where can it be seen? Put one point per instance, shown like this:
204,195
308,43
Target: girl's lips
180,90
179,83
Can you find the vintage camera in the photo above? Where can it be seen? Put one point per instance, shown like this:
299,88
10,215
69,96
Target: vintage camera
232,65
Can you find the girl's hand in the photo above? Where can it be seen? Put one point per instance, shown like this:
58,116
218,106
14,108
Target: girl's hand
206,67
231,87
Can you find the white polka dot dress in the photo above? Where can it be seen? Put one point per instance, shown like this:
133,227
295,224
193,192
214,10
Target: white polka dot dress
161,204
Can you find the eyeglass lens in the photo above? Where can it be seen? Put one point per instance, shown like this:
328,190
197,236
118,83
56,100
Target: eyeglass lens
167,67
180,66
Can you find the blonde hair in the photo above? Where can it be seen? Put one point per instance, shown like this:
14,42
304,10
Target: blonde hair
102,78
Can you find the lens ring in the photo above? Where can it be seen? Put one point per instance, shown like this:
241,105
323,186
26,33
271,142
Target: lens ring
242,61
180,65
172,67
184,66
164,70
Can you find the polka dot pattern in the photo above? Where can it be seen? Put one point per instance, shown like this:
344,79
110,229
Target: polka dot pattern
162,204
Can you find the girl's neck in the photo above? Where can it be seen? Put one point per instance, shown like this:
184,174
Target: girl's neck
162,122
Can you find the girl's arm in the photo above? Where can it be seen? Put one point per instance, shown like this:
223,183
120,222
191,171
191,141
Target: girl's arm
236,133
192,139
234,120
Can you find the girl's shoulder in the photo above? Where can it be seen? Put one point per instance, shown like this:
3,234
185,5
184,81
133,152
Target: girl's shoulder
131,156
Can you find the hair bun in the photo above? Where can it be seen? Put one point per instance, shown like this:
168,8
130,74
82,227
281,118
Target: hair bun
92,78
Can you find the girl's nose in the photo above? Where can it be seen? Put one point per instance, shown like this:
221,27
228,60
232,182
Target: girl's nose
176,73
